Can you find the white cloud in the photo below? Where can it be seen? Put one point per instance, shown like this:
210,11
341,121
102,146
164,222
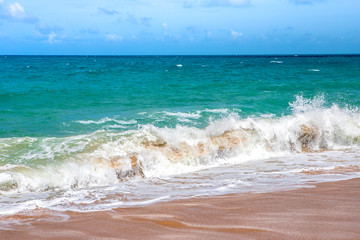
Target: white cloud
49,34
113,37
216,3
52,38
235,34
165,27
15,12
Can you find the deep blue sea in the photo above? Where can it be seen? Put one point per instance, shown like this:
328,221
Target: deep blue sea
70,127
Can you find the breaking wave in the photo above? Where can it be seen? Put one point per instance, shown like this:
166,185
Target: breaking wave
106,157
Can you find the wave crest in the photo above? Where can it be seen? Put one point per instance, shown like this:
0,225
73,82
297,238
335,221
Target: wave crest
106,157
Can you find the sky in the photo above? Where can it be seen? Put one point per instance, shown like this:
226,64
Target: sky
179,27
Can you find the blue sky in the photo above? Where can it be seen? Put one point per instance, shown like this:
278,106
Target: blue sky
123,27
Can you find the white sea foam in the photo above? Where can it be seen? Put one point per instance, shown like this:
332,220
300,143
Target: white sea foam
116,126
221,110
84,169
183,115
256,176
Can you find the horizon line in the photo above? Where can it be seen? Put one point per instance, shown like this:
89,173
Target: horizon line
181,55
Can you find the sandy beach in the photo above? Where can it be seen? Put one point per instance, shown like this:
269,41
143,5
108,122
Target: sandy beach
327,211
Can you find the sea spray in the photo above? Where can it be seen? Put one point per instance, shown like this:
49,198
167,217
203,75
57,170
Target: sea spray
44,164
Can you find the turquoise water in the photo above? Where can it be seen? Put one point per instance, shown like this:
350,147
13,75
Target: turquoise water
45,96
71,127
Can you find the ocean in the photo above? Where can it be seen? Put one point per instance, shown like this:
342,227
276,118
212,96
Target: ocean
90,133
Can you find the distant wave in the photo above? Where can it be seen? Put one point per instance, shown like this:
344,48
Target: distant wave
183,117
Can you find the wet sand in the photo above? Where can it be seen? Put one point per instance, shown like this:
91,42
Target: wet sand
327,211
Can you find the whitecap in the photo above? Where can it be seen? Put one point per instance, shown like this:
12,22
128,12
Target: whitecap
183,114
220,110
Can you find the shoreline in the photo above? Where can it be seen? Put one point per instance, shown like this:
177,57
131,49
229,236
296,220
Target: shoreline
328,211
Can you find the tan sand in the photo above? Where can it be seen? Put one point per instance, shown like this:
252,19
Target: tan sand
329,211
